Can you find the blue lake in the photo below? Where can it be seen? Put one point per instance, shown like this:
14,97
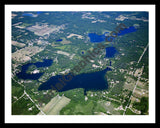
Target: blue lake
87,81
59,40
110,52
94,38
45,63
127,30
24,75
38,12
27,14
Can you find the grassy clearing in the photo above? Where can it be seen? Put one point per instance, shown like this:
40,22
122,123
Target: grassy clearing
61,47
17,90
84,108
55,105
129,112
25,25
64,41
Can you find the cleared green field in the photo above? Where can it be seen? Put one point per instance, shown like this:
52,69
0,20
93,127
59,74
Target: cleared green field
17,90
74,108
129,112
55,105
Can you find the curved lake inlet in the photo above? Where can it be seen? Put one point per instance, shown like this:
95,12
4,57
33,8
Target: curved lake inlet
36,76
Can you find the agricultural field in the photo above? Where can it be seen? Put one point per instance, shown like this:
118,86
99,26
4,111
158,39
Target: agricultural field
55,105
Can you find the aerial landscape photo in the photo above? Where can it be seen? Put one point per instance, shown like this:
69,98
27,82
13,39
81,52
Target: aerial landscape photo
80,63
